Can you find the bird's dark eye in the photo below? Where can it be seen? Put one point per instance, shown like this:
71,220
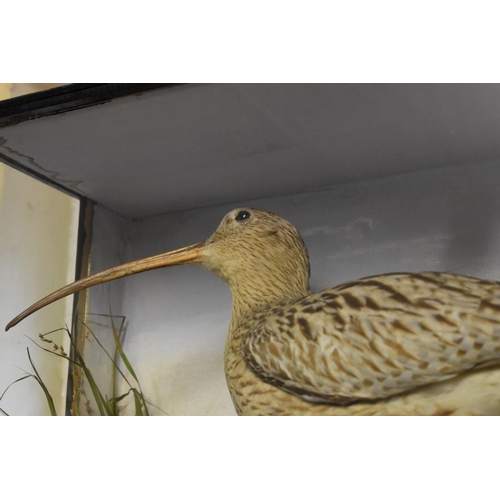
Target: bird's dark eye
242,215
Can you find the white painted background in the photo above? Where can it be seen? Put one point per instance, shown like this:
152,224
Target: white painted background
38,236
444,219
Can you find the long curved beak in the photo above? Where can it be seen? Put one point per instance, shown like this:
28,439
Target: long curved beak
192,253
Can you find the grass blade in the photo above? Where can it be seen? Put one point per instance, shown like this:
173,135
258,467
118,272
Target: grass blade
15,382
101,403
138,405
107,353
50,401
105,406
121,352
126,362
117,399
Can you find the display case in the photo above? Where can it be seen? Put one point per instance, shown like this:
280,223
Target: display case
377,178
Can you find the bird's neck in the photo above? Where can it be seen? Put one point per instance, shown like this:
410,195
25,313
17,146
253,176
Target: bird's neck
248,299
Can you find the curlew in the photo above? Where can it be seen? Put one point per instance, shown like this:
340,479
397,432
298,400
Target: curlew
395,344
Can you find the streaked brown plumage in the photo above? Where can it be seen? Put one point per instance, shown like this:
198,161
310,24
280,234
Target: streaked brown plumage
396,344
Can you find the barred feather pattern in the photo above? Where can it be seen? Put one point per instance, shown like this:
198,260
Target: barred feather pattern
421,344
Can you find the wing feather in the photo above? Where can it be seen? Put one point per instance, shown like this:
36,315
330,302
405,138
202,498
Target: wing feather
377,337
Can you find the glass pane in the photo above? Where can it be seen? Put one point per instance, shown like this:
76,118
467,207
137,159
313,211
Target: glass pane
38,244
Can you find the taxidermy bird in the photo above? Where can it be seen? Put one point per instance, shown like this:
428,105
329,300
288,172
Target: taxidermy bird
395,344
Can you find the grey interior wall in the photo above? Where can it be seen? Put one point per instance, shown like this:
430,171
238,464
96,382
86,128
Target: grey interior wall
109,233
444,219
107,247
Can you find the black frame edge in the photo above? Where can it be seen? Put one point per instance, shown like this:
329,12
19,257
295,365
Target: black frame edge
67,98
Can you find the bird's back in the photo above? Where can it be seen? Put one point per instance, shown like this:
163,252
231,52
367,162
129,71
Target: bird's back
426,343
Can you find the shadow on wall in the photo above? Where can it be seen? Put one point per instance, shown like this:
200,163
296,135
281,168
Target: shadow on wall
474,224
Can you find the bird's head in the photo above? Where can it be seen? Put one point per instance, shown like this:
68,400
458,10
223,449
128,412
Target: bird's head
260,255
255,243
